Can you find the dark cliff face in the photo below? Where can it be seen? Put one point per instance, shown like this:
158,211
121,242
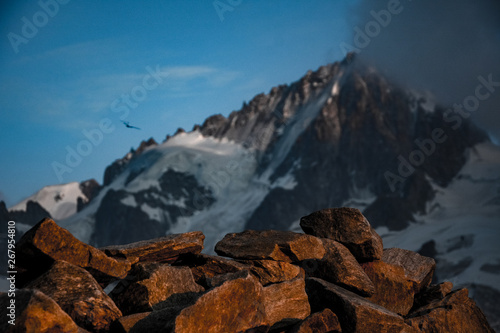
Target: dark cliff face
340,132
118,166
90,189
121,218
32,215
357,136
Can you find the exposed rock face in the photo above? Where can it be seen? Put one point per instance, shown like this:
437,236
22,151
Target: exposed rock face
270,271
355,313
418,269
347,226
47,242
90,189
151,283
392,290
340,267
356,135
121,218
32,215
270,244
320,322
117,167
286,300
35,312
454,313
79,295
165,249
214,311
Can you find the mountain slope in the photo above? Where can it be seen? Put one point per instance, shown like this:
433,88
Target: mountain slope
330,139
57,201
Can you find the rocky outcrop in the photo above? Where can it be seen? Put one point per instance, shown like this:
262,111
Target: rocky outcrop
119,165
356,314
417,268
130,216
151,283
165,249
32,215
270,271
270,244
79,295
90,189
393,290
286,301
34,312
275,281
347,226
454,313
46,242
234,306
340,267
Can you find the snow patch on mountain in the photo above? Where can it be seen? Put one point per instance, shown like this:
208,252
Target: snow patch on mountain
463,221
129,201
225,167
153,213
295,127
59,200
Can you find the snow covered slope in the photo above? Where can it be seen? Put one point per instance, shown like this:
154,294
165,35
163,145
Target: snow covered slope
462,225
59,200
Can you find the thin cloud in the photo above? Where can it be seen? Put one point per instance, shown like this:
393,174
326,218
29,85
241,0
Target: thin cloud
189,72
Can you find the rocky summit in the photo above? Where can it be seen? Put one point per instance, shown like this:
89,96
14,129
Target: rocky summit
334,277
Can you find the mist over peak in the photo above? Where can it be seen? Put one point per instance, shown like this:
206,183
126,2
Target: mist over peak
441,46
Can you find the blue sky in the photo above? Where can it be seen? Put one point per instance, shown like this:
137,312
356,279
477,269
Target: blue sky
73,72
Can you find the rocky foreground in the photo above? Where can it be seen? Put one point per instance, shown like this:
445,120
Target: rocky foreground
334,278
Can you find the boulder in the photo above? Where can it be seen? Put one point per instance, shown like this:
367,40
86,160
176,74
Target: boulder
270,244
454,313
355,313
79,295
340,267
47,242
234,306
270,271
150,283
320,322
392,290
418,268
164,249
34,312
286,300
347,226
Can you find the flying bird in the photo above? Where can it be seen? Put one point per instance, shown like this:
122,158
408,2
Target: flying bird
126,123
